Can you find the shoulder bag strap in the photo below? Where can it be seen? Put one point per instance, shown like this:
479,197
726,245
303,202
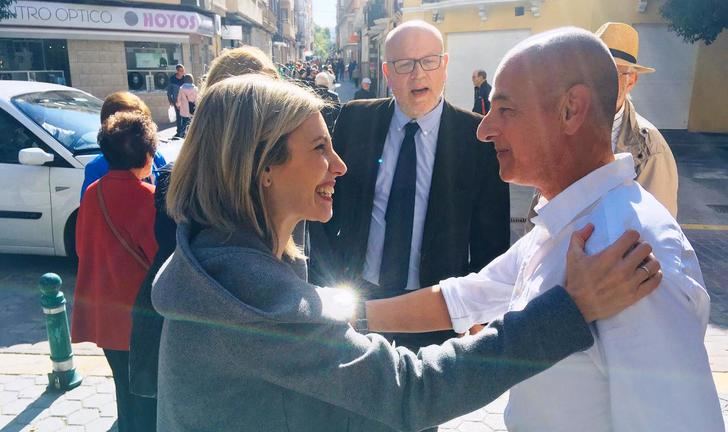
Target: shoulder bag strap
118,236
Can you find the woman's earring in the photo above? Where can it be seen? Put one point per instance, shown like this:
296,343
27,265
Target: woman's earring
267,182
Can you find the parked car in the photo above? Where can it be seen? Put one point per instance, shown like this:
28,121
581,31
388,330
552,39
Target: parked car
47,135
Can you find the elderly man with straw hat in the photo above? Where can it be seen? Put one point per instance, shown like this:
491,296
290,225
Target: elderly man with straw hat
631,133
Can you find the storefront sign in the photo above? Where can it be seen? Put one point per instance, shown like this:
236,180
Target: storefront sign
67,15
232,32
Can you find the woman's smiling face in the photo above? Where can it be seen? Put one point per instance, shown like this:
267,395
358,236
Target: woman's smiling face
302,188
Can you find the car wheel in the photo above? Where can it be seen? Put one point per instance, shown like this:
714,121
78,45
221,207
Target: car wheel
69,236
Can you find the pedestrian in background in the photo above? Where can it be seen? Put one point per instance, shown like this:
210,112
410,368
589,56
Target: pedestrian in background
331,110
186,101
340,69
115,245
175,82
364,92
146,322
239,61
332,77
631,133
481,105
355,75
117,102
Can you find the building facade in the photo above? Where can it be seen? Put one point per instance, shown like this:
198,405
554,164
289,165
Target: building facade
687,91
349,23
362,28
304,28
103,48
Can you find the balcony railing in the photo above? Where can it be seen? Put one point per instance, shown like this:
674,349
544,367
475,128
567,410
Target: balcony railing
270,20
375,10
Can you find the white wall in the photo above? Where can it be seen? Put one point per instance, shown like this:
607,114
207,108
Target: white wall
475,50
663,97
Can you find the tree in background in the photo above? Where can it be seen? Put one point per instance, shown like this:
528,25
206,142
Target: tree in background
321,41
696,20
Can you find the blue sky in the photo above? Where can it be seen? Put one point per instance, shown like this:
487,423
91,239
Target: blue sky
324,13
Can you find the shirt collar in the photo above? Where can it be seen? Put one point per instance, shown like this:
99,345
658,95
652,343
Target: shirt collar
557,213
428,123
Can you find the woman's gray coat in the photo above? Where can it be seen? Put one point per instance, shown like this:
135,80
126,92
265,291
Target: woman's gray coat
247,345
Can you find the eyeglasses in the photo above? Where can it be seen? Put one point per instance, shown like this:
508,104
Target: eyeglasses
428,63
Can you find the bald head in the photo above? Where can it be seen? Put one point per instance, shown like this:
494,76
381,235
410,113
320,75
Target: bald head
552,109
557,60
415,67
409,29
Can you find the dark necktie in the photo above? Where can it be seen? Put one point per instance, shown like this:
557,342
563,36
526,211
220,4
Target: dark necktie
399,216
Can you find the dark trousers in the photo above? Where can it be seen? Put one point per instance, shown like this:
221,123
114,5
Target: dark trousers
134,413
185,124
178,121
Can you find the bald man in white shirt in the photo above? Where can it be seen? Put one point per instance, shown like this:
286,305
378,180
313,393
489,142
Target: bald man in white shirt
648,369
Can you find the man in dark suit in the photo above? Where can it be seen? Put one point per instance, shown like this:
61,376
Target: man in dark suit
481,104
422,200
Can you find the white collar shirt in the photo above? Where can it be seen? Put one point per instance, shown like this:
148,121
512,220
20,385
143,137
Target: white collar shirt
426,144
648,369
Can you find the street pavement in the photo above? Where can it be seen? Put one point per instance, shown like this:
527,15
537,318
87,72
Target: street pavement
25,405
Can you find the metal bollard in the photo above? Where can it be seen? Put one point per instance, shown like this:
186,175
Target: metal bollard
64,376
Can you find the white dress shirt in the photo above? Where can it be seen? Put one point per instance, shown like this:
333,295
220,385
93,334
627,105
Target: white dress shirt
648,369
426,144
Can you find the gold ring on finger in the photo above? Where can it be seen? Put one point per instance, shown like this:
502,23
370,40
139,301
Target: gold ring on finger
642,267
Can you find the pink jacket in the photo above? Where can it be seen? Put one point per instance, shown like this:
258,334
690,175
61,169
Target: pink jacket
187,93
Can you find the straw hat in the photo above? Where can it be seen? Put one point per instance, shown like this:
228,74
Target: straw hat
624,44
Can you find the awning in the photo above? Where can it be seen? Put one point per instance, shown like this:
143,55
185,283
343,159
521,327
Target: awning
50,33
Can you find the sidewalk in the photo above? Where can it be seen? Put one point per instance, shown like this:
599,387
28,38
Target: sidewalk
26,406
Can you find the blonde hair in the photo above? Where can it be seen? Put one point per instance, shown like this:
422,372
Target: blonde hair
238,61
241,127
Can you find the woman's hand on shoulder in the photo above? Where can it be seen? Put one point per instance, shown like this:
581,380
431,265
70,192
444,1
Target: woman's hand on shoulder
605,284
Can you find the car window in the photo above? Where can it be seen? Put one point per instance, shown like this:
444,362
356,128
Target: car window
69,116
13,138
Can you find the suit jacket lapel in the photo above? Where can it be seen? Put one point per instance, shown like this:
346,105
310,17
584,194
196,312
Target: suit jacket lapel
444,176
372,138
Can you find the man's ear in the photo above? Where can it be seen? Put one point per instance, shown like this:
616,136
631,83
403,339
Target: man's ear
632,82
385,70
576,108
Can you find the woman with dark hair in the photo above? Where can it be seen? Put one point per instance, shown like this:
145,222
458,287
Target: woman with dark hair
115,245
117,102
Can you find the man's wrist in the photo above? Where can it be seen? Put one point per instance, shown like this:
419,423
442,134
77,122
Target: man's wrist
360,323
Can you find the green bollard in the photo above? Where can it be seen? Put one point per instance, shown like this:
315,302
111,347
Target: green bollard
64,376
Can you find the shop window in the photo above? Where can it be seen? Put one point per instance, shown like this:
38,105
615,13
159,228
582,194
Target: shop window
150,65
44,60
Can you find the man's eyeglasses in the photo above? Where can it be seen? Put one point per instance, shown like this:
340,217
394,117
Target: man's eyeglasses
428,63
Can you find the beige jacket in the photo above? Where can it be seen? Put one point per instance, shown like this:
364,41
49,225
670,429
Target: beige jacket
653,161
